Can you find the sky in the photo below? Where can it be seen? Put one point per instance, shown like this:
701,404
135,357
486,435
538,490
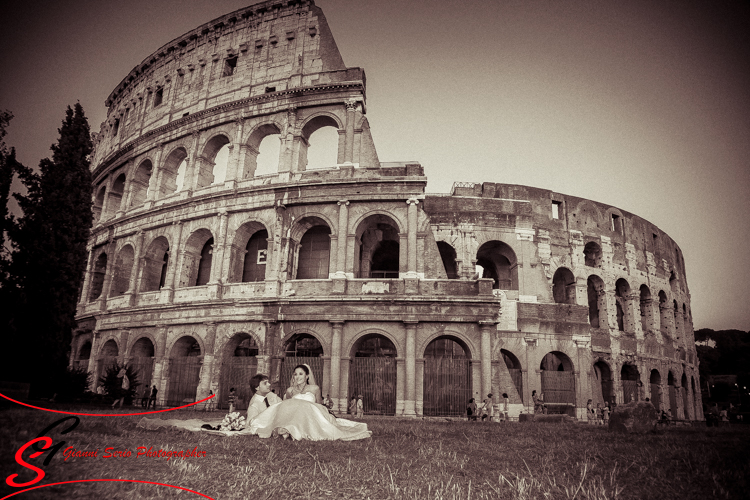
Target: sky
643,105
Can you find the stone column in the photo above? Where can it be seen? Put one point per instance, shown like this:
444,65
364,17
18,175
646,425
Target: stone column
411,369
420,387
109,273
206,373
219,251
411,259
233,164
351,108
124,336
175,254
87,278
160,377
400,384
133,282
154,182
337,327
194,164
343,231
95,339
485,328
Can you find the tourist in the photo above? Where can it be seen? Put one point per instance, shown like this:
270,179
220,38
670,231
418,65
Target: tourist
232,400
590,412
471,410
353,407
123,387
506,404
152,399
605,413
360,407
487,408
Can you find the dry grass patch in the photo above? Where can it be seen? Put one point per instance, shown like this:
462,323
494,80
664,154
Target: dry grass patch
405,459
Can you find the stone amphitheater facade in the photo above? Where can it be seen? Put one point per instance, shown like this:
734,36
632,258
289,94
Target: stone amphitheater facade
201,271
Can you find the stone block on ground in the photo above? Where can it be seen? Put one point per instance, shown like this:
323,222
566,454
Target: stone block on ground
636,417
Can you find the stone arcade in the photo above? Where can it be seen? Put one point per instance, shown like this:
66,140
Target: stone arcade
203,269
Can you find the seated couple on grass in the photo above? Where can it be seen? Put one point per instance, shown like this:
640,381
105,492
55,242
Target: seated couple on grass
300,414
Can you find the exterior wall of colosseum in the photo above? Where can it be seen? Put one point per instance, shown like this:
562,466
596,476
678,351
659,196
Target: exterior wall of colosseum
203,271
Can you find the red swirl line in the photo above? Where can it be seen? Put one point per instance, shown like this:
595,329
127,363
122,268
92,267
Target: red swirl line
97,480
106,414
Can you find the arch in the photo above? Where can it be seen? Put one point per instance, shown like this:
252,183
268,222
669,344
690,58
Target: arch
622,302
592,254
114,197
558,381
597,301
654,381
602,387
631,382
664,314
448,256
155,264
498,261
211,167
123,270
142,363
197,259
372,373
323,148
314,253
262,146
647,309
110,348
514,369
686,407
377,241
239,363
447,377
84,352
97,278
98,205
139,184
173,172
564,286
672,394
677,329
320,119
247,261
185,358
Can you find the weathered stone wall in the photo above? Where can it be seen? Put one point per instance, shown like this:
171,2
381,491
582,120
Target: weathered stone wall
589,291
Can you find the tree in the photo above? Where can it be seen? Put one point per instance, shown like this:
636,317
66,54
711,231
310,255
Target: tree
49,258
7,168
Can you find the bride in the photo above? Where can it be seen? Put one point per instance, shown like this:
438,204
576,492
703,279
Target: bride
302,416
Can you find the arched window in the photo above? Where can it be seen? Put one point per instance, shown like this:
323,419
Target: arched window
655,383
123,269
603,383
155,265
238,365
514,369
114,197
314,253
185,361
323,129
597,301
647,309
558,382
323,148
139,185
377,240
98,205
212,165
204,265
141,363
256,255
630,383
263,151
664,314
448,256
564,286
622,301
497,260
592,254
372,374
97,278
447,377
173,175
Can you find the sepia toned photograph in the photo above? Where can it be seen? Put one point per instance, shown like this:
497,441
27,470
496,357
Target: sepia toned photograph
480,249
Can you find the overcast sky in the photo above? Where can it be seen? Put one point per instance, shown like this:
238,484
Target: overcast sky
643,105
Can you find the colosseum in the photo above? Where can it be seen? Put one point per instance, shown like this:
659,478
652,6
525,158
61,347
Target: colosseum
205,267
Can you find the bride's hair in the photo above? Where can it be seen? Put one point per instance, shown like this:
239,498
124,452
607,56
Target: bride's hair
305,368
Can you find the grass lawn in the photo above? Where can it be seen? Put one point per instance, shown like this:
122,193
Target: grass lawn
403,459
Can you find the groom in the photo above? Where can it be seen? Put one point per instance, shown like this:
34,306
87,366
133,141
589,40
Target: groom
262,398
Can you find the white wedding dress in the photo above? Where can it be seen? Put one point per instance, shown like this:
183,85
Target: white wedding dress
301,418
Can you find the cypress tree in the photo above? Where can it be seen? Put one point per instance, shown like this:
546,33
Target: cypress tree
49,260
